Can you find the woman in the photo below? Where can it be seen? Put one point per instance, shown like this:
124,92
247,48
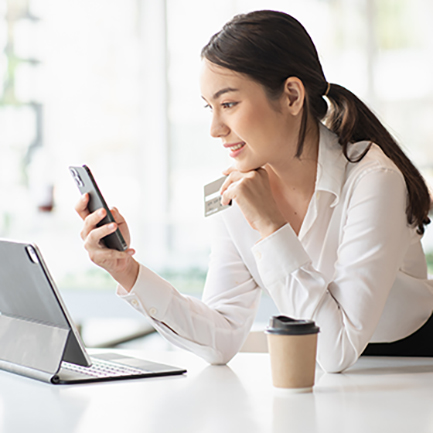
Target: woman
327,220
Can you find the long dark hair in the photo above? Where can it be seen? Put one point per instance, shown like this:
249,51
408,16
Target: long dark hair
271,46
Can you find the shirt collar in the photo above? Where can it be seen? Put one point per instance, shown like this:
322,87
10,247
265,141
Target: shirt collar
331,166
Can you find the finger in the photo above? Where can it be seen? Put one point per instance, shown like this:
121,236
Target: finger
93,239
227,198
238,183
91,221
233,177
81,206
262,171
231,192
229,170
117,215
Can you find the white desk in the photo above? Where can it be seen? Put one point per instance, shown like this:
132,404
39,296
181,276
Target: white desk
376,395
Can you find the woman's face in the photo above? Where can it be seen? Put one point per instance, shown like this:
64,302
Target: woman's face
255,130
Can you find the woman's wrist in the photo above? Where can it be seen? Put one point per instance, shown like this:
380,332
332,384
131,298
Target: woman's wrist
271,227
128,277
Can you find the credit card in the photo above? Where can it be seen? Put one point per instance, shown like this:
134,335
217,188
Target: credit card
212,197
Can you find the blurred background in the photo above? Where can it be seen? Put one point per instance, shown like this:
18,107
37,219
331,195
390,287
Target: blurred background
114,84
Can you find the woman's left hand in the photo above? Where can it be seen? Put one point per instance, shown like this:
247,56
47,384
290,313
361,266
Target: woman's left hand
252,192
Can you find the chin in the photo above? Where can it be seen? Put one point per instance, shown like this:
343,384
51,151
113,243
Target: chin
244,166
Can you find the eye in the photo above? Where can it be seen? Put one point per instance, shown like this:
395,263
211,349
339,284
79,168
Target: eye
229,104
208,107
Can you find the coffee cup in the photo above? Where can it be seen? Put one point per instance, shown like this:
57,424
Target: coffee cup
292,347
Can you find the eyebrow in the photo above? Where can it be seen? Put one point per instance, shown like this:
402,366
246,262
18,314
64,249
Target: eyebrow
222,91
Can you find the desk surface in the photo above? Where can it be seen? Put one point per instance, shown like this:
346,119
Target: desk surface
376,395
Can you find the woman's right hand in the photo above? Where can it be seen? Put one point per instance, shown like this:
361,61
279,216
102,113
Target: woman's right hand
120,264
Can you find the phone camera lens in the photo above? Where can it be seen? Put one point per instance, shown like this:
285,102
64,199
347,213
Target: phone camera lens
77,177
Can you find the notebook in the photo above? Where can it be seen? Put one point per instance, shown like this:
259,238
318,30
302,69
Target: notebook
38,338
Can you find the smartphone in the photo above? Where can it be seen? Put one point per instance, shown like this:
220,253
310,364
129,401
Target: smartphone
86,183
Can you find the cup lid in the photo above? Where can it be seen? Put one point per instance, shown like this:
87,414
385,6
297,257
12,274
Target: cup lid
283,325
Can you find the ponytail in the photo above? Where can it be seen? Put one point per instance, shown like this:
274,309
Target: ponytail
271,46
353,121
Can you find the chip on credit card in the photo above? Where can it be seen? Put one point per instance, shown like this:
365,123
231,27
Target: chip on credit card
212,197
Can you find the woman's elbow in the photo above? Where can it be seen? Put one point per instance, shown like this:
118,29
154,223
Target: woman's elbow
214,356
336,364
220,358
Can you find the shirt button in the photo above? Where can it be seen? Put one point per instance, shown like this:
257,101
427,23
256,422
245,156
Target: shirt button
153,312
135,303
258,255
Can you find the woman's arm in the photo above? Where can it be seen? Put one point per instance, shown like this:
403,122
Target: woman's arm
215,327
372,239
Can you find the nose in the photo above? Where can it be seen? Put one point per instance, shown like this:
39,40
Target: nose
218,128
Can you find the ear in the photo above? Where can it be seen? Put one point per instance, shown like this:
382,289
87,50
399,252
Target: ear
294,95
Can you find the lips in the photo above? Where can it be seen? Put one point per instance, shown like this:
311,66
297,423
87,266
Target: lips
234,146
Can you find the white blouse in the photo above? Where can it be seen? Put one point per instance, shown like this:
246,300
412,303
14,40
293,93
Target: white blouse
357,269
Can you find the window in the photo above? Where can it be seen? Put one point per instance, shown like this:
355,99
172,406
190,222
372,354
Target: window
117,88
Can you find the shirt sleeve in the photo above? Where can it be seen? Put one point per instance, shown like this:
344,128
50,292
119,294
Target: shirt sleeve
373,237
216,326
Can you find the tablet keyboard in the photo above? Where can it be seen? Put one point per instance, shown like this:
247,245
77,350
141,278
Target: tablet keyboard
103,369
